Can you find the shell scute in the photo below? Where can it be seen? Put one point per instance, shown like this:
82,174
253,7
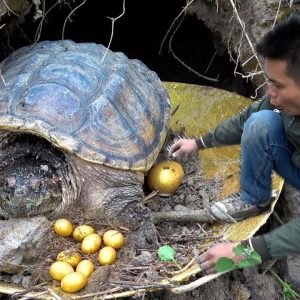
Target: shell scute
87,100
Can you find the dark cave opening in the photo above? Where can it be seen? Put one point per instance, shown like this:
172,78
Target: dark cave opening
139,34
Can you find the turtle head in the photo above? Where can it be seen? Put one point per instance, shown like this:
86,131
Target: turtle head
29,180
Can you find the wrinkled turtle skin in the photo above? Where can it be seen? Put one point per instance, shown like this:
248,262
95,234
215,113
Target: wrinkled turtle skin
79,131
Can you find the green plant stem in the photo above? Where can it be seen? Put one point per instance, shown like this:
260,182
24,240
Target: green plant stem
286,286
277,277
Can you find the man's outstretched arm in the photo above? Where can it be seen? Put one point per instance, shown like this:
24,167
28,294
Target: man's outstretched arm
281,242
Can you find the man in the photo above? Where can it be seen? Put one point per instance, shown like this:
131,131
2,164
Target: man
269,133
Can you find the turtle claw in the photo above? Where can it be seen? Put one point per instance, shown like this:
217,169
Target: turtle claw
142,229
145,237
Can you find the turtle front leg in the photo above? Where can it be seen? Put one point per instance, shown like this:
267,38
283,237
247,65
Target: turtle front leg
125,207
115,196
122,206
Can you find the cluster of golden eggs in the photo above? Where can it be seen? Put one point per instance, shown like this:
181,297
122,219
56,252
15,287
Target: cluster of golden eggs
70,269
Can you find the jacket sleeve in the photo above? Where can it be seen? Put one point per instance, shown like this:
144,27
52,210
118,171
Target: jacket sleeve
230,131
281,242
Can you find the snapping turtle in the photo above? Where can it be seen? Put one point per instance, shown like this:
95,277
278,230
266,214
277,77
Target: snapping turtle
79,131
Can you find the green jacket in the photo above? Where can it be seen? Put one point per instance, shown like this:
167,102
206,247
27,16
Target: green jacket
285,240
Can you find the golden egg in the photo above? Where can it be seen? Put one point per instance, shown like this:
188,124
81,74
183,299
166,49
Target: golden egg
91,243
73,282
81,231
69,256
107,256
165,177
60,269
114,239
63,227
86,267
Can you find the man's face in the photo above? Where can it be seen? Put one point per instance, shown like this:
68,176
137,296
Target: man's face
284,91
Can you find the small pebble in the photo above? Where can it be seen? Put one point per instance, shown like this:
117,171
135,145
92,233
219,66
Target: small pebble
16,279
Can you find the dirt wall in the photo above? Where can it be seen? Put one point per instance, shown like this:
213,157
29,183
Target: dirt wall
14,7
226,21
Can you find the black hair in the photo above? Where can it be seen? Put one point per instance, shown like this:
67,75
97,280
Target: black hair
283,43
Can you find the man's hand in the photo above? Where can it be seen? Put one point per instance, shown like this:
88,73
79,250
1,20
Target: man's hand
183,146
208,259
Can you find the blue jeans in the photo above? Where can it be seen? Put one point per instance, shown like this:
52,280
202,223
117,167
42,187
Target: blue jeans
264,147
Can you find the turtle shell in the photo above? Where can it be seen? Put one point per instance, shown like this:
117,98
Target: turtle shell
87,100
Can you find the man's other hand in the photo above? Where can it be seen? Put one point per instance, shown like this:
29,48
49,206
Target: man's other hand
183,146
208,259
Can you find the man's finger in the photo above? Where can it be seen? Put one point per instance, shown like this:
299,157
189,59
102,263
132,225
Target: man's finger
173,148
207,265
202,258
176,153
211,271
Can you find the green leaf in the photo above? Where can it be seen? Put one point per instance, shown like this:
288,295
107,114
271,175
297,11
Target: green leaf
255,256
247,263
251,257
239,250
225,264
166,253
